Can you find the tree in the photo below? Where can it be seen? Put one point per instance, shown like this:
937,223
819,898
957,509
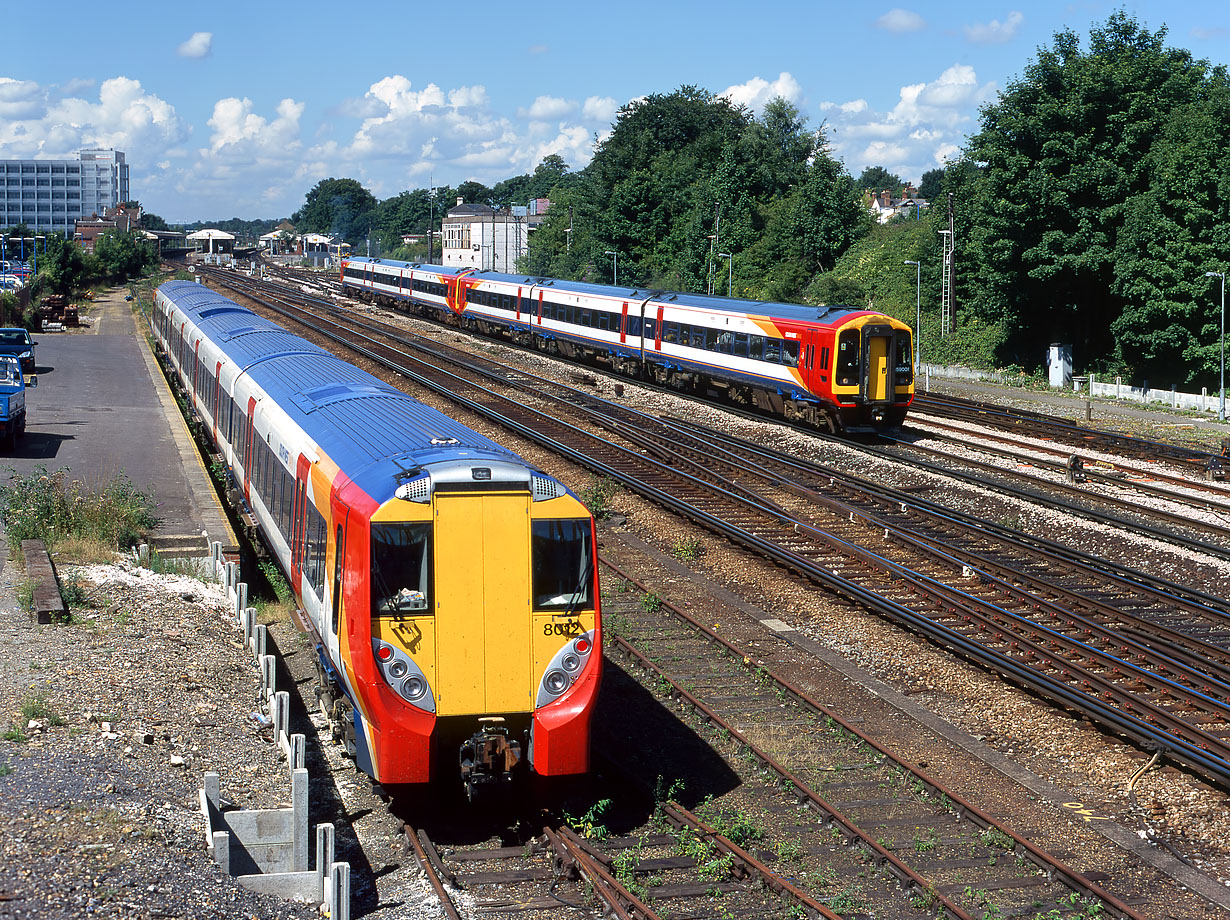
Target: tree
123,255
338,207
1089,206
64,266
876,179
152,221
932,185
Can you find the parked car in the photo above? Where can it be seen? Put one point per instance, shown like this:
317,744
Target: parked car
17,342
12,401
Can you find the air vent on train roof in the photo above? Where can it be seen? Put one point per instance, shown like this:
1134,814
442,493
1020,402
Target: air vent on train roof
545,487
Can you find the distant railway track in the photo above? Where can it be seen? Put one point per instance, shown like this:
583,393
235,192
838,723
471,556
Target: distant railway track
1119,678
1040,425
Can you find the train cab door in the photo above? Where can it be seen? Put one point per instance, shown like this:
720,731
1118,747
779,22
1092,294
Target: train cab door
877,358
482,596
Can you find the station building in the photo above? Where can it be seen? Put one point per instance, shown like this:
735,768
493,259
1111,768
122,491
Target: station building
50,196
479,236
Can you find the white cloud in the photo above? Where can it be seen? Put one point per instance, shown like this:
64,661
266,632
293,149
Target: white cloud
995,32
758,91
549,108
197,46
600,108
924,127
901,21
19,98
124,117
237,130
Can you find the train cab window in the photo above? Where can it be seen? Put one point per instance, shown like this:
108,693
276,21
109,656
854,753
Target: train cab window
401,569
790,353
755,347
562,565
849,358
904,364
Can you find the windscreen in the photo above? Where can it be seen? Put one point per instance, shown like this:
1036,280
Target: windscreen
562,564
401,569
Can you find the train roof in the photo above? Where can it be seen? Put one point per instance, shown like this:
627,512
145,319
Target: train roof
707,302
373,431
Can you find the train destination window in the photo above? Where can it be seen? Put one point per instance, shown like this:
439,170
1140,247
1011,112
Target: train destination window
849,358
401,569
562,565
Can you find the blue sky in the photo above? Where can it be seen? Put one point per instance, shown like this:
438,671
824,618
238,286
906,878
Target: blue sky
239,110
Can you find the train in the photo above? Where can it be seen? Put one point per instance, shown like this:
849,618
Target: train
838,368
450,588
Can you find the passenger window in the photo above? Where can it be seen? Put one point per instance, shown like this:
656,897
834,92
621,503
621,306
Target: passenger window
790,353
401,569
562,565
651,326
738,348
338,554
756,347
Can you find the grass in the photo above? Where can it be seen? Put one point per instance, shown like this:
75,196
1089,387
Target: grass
587,824
37,707
52,508
189,567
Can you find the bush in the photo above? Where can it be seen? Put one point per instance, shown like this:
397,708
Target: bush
45,506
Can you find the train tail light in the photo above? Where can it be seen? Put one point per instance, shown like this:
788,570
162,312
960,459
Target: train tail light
564,669
403,675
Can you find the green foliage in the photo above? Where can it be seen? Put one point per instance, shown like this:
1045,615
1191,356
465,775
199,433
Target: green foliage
876,179
587,824
339,207
65,267
37,707
1092,201
597,496
273,575
931,187
45,506
688,549
123,255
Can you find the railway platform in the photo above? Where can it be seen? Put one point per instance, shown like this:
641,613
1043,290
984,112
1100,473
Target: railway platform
102,407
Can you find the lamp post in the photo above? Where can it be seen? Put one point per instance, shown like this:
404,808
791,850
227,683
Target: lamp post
917,314
730,272
615,266
1221,406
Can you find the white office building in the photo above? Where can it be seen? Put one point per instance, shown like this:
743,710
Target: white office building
51,195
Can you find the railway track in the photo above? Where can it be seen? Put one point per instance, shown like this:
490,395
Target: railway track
1107,674
1044,426
836,791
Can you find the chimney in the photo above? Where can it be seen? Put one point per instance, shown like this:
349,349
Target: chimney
886,198
460,201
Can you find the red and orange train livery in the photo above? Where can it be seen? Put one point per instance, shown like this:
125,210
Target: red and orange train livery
451,587
839,367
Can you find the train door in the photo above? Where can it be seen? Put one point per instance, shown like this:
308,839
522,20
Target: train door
249,423
878,346
540,293
482,604
623,324
298,522
518,306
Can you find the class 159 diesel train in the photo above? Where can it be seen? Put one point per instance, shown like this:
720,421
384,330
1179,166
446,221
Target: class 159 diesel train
836,367
451,588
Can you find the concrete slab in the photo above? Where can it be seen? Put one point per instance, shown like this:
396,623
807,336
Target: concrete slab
102,407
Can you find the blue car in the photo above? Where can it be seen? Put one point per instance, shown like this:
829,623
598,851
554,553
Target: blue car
16,341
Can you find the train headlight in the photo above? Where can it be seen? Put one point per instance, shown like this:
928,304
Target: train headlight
413,688
403,675
565,668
